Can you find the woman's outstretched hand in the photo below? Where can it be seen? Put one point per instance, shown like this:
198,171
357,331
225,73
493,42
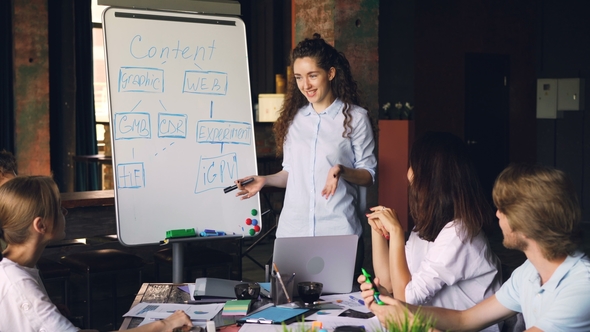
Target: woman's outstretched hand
332,182
250,189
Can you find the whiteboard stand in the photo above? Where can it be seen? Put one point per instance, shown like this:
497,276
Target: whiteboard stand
177,259
182,123
178,253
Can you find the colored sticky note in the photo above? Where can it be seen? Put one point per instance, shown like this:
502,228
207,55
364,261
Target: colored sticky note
236,308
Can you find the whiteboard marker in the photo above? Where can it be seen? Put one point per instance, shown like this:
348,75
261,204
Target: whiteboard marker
234,187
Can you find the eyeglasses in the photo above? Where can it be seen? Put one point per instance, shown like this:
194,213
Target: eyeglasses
64,211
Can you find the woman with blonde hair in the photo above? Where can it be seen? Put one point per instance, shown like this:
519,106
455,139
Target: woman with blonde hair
31,216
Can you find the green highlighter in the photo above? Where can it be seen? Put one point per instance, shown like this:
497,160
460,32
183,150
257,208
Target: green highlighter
369,281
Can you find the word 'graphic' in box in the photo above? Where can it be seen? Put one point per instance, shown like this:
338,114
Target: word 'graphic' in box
205,82
219,131
216,172
130,175
141,79
132,125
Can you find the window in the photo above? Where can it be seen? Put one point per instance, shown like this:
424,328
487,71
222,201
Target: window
101,105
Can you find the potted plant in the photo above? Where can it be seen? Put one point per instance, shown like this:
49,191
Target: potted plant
396,133
398,112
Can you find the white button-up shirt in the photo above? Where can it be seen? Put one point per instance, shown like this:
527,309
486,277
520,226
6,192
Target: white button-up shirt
451,272
24,303
313,145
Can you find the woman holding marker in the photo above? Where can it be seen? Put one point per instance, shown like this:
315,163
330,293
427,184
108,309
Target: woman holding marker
447,261
327,144
31,216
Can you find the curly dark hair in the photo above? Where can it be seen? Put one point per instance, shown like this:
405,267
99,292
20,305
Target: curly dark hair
343,85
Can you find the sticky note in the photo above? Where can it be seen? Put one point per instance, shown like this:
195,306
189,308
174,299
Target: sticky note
236,308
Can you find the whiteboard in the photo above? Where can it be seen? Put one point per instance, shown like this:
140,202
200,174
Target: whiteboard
181,123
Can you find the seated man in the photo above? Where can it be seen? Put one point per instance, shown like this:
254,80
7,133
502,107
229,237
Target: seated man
539,214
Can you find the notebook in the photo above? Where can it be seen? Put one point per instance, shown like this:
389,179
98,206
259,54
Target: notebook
326,259
274,315
215,288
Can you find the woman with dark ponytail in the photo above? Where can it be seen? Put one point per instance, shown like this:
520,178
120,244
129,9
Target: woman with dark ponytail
327,143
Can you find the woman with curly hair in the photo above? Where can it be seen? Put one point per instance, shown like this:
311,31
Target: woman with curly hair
327,144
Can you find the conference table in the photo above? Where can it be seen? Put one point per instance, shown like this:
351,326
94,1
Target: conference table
171,293
165,293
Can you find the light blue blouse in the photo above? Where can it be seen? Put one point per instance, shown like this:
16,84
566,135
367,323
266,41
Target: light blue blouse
561,304
313,145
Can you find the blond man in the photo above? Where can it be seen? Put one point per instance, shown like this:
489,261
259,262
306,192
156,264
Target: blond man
539,214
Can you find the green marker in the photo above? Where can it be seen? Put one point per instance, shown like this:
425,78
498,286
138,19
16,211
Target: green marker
180,233
368,281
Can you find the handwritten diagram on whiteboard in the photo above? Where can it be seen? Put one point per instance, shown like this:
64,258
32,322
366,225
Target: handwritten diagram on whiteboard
181,123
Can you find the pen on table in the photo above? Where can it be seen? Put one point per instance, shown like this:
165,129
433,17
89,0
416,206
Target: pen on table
322,302
281,282
235,186
358,300
291,278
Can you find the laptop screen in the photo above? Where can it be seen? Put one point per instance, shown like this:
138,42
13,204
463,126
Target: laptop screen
326,259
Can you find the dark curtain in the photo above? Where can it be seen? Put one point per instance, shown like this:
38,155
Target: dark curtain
86,177
6,95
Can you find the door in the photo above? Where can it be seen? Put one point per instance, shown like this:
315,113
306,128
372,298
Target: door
486,114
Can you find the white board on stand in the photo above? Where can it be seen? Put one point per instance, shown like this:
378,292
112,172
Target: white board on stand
181,123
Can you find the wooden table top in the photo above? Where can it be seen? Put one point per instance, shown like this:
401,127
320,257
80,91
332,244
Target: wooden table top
169,293
155,293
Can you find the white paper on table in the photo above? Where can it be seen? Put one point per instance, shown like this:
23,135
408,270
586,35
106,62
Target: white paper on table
331,322
194,311
348,301
191,290
328,322
321,313
249,327
155,316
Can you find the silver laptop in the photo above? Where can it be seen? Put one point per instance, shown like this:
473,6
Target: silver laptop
326,259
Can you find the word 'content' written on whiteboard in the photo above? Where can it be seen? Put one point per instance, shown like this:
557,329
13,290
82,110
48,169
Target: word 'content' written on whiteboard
181,115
